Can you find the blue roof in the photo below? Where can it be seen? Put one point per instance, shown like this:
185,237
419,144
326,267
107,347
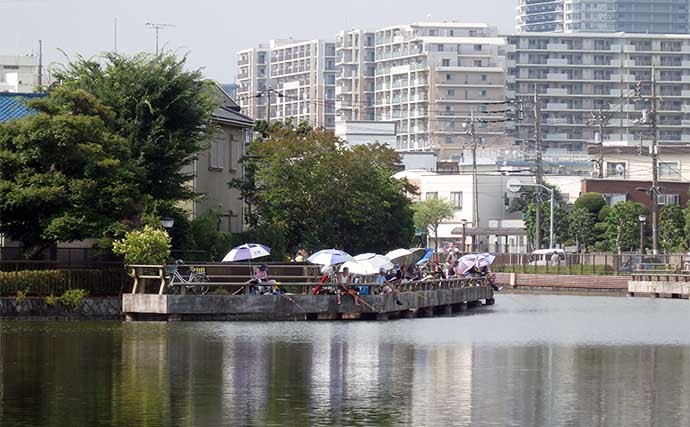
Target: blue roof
13,105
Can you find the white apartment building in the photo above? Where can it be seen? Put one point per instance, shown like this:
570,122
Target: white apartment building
631,16
432,77
297,79
354,79
253,67
577,74
18,73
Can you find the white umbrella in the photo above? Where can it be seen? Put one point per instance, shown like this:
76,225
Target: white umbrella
330,257
248,251
400,256
368,264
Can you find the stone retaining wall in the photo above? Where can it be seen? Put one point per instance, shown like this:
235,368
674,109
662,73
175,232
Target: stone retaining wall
37,308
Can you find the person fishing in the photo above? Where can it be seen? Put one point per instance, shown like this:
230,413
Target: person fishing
343,281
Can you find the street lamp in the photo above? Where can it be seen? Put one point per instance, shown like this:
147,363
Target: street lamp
514,186
167,222
464,235
643,220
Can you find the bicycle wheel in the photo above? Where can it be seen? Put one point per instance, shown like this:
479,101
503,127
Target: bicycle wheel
172,288
199,289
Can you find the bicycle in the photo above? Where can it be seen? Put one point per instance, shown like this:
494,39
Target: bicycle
192,282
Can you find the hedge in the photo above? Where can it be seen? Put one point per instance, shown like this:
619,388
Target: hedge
55,282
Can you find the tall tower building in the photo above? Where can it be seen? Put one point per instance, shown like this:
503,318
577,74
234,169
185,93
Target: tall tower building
354,79
630,16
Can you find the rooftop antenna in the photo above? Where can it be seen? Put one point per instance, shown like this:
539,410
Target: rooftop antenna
156,28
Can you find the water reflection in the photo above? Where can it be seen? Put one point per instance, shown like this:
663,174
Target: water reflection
496,368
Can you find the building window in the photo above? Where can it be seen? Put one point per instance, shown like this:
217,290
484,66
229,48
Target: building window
477,62
216,153
615,169
669,199
456,199
451,92
432,196
669,170
614,199
449,77
477,48
445,62
449,140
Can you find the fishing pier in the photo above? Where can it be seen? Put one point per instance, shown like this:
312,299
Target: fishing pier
411,299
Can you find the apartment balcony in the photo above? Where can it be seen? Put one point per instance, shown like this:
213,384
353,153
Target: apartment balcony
557,77
557,62
685,79
556,47
556,92
556,136
556,106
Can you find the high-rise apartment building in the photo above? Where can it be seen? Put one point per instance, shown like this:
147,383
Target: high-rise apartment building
290,79
431,78
630,16
579,74
18,73
354,79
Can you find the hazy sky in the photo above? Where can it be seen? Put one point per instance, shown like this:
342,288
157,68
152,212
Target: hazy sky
212,31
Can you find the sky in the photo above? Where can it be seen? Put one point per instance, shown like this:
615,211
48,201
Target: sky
212,31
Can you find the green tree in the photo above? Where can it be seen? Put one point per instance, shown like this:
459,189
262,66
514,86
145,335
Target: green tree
592,202
64,174
526,204
672,229
321,193
429,214
162,110
581,227
623,226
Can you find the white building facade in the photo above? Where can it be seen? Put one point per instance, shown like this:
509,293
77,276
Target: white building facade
432,77
18,74
289,79
354,80
578,75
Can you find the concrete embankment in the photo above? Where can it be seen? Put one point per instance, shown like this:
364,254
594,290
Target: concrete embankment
555,283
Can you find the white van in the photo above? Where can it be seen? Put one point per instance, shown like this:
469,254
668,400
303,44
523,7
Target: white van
547,257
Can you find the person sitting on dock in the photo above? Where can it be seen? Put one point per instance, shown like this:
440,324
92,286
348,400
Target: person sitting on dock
344,286
490,279
261,279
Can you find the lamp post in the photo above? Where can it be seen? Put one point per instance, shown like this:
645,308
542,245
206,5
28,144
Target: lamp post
514,186
167,222
643,220
464,235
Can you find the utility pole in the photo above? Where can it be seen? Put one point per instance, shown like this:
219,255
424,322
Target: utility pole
540,168
115,36
40,64
601,119
655,169
471,131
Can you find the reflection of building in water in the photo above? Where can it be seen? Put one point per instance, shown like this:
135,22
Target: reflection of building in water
442,385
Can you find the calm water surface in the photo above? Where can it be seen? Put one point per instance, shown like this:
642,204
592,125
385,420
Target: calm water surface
528,361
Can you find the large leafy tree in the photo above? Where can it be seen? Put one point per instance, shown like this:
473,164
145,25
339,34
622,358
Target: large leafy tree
429,214
623,226
161,109
323,194
592,202
672,229
64,173
581,227
525,203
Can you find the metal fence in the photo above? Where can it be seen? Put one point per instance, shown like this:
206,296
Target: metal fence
586,263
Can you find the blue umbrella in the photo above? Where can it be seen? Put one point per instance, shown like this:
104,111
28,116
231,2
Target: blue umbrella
426,257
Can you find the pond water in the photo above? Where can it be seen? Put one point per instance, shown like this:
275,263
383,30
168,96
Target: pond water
527,361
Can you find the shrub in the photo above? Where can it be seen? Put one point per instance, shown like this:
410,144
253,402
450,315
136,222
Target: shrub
148,246
40,282
51,300
73,298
